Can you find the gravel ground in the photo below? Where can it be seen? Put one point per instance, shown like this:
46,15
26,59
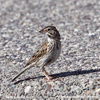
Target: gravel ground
78,67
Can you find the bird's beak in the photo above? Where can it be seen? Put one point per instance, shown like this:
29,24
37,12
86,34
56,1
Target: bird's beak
42,31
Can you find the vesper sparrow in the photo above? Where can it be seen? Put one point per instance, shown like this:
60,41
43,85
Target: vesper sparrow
47,53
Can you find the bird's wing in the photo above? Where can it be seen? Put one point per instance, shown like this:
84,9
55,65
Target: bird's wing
40,52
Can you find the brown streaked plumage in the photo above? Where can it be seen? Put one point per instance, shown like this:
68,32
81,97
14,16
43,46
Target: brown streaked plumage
40,52
47,53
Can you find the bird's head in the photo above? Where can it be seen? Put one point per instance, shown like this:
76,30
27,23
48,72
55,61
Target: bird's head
51,32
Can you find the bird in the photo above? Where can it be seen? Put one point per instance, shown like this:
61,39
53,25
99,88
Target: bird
46,54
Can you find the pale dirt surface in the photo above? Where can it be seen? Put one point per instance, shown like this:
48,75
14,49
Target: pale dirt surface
78,67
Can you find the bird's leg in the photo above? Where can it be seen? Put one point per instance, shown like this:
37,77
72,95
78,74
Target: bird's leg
49,78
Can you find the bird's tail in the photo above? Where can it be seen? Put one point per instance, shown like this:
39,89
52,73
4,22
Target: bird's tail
26,67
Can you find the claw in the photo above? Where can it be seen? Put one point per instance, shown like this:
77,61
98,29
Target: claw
51,78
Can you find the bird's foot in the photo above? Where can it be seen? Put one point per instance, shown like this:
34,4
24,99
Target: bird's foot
51,78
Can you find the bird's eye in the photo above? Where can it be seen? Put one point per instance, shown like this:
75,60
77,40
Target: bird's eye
48,29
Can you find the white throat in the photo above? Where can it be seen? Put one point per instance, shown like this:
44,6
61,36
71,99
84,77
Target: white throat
50,39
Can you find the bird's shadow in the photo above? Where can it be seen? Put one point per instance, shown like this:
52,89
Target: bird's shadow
63,74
